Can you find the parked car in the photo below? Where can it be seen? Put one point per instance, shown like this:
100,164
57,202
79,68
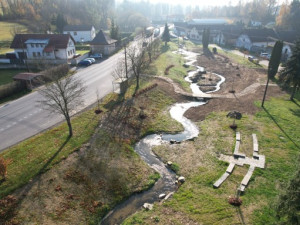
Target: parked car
96,56
84,63
253,59
91,59
265,55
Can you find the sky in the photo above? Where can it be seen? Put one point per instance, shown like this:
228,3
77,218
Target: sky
200,2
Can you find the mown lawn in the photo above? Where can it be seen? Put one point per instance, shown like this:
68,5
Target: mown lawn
278,131
6,75
6,29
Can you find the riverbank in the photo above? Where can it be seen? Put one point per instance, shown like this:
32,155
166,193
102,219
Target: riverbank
276,126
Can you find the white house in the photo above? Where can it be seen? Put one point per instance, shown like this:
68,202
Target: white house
80,33
256,39
194,34
50,47
103,44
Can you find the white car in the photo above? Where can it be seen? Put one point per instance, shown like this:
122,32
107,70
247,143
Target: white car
91,59
265,55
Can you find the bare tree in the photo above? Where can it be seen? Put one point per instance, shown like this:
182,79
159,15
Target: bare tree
138,62
62,95
120,71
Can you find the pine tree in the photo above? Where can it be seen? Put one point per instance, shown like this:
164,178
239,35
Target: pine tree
205,38
60,23
275,59
290,75
166,35
288,207
273,65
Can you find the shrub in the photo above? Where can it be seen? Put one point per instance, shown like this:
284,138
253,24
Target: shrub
11,89
3,167
175,167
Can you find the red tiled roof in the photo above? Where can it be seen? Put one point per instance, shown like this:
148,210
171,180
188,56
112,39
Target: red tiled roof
57,41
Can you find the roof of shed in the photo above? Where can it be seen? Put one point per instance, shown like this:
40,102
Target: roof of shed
102,39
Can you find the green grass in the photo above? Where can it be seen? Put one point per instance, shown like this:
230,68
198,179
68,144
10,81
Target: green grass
167,58
7,27
82,52
4,50
7,75
41,152
239,59
278,133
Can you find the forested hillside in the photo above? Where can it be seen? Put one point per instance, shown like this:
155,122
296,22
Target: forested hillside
42,13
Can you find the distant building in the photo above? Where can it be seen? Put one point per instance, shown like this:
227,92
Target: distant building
54,48
256,40
103,44
80,33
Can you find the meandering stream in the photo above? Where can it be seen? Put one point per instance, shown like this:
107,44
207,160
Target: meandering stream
166,183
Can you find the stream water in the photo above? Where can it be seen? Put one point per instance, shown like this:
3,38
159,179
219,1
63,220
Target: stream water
166,183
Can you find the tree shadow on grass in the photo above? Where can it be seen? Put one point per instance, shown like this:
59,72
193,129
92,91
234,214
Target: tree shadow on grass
282,130
9,204
164,48
240,215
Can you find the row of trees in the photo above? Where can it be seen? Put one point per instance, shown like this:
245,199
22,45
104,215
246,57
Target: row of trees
96,12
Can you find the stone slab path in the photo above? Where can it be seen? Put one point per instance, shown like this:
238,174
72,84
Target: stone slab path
240,159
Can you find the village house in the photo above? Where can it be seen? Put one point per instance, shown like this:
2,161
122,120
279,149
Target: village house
50,48
256,40
103,44
80,33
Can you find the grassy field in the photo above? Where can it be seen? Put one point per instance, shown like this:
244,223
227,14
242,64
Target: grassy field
41,152
177,73
82,52
6,75
278,131
110,161
6,29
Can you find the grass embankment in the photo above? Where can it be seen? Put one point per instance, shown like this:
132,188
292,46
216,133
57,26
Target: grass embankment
239,59
89,183
7,30
167,58
278,133
41,152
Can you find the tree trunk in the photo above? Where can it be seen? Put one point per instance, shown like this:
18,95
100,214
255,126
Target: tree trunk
263,101
70,126
137,82
293,92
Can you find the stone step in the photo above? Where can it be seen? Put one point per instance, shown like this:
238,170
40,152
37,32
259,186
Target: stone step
255,143
221,180
230,168
238,136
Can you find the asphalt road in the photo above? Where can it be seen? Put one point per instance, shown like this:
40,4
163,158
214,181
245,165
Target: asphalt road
23,118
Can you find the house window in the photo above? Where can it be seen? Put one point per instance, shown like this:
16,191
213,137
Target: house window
39,54
75,33
34,54
73,51
32,45
48,53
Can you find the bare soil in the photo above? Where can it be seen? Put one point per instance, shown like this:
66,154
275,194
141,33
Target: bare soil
238,78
